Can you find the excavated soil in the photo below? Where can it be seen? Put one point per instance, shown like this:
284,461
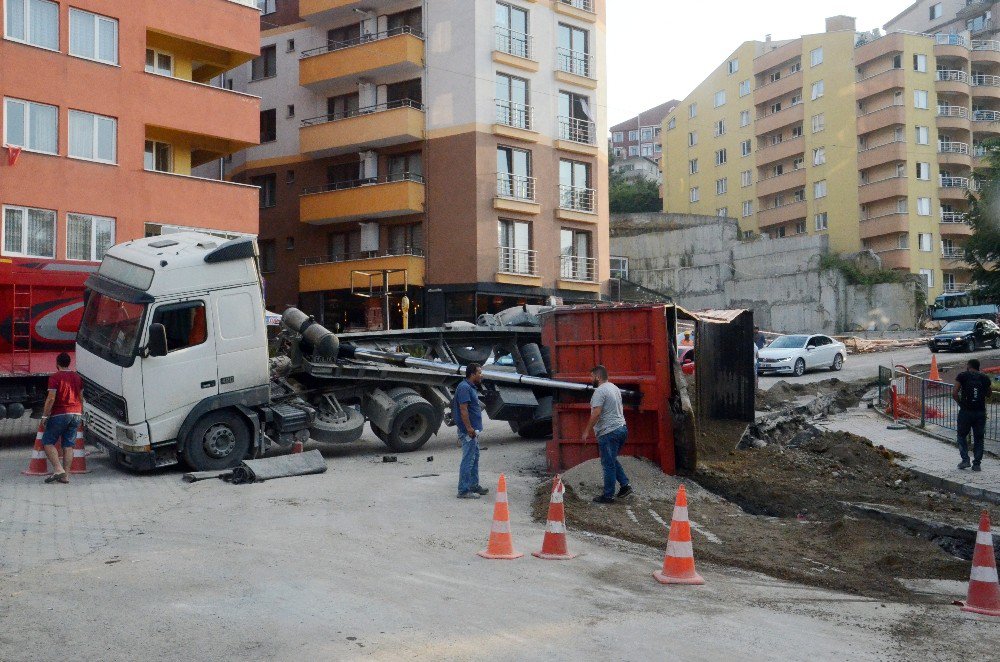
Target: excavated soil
845,394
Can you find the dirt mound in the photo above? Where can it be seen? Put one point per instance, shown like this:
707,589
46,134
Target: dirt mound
782,394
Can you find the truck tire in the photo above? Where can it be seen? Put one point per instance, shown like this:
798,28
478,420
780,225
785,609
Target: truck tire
414,423
219,440
329,429
537,429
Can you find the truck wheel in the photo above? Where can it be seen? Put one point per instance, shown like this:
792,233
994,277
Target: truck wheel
414,423
330,428
219,440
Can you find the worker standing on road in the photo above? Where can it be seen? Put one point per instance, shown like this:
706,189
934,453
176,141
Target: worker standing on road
607,420
468,415
758,338
61,417
972,390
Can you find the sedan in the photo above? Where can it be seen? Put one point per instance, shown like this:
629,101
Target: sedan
966,336
795,354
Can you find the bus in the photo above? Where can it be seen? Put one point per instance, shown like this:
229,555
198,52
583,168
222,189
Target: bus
964,305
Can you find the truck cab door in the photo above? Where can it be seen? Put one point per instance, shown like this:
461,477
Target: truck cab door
174,383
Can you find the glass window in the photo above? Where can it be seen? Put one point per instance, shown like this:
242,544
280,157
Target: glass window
816,57
819,189
919,62
745,88
267,6
695,196
88,237
515,247
734,66
512,101
574,249
924,171
92,137
619,137
646,134
920,99
29,232
747,208
574,50
633,150
268,125
720,98
818,122
633,135
93,37
744,118
33,126
745,148
693,110
936,11
923,206
818,89
721,186
693,166
822,221
692,138
646,150
158,62
158,157
185,323
819,156
923,135
265,65
720,128
35,22
924,241
720,157
746,178
672,123
268,185
512,30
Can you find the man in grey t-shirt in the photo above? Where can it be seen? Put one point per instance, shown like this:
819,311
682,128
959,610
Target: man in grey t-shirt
607,420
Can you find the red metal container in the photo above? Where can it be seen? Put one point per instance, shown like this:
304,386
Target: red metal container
633,343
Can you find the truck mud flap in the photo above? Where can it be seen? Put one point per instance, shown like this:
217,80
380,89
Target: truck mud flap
283,466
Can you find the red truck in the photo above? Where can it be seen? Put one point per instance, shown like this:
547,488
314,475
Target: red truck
41,303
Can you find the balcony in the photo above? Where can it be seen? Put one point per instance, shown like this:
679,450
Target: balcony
793,179
516,193
972,9
986,116
577,204
952,81
777,89
779,56
384,125
577,135
577,269
954,153
882,81
884,189
576,67
895,258
786,149
955,228
326,11
886,224
386,197
321,274
957,288
986,51
953,188
230,118
953,217
394,53
515,120
581,9
514,48
952,253
985,80
869,157
517,266
882,117
789,116
953,117
790,211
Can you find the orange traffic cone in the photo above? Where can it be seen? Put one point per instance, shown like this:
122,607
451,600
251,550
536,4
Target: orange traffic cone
678,565
554,543
935,376
984,590
501,545
39,465
79,465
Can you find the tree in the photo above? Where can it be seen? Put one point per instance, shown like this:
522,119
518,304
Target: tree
630,195
982,250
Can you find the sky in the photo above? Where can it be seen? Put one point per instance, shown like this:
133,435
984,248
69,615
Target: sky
661,49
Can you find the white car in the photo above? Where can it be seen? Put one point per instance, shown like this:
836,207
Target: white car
795,354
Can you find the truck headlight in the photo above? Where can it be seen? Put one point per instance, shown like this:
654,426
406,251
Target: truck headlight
133,439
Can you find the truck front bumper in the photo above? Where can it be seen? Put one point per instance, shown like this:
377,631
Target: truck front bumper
135,460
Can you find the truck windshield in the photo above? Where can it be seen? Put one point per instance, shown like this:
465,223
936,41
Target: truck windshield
110,328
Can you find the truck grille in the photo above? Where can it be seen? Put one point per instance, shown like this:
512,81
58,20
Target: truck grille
101,426
105,400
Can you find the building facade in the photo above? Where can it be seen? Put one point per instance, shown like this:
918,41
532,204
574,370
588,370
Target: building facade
638,167
868,138
446,149
640,135
111,112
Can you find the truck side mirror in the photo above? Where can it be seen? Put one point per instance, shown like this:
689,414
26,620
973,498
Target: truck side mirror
157,340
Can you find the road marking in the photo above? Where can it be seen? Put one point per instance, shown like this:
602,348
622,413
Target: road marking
631,516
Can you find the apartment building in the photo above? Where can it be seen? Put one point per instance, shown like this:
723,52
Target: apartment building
108,105
449,149
640,135
868,138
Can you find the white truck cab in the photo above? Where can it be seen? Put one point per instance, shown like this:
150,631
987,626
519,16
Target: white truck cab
173,346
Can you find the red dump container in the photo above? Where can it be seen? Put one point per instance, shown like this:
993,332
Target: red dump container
632,342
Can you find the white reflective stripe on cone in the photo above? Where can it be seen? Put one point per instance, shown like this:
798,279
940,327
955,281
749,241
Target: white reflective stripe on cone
37,455
557,497
984,538
983,574
680,513
501,497
679,549
79,452
500,527
552,526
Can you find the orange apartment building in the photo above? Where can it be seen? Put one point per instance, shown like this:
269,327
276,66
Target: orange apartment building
110,104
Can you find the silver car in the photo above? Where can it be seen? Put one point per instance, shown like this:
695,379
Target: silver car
794,354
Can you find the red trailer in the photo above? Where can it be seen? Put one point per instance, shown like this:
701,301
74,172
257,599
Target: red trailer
41,304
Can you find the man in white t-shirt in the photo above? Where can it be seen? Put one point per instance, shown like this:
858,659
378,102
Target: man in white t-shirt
607,420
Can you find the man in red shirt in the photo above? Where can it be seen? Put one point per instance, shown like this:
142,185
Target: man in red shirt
62,417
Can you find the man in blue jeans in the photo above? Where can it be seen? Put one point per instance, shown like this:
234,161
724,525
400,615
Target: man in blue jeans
468,415
607,420
61,417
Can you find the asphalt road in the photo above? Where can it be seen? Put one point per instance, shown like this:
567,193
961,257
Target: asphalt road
377,560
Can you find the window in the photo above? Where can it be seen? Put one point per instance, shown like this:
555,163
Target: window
721,186
744,118
158,62
265,65
901,206
924,171
514,174
633,135
515,247
512,96
29,232
693,110
897,61
800,227
745,88
819,189
774,77
778,170
746,178
818,122
268,125
775,108
33,126
574,249
92,137
733,66
919,62
185,323
672,123
289,243
815,57
920,99
692,166
694,196
928,275
88,237
745,148
34,22
923,206
797,196
797,131
692,138
936,11
93,37
747,208
619,137
289,176
924,242
903,240
818,89
574,50
797,163
619,152
720,128
819,156
796,99
923,135
822,221
646,133
267,6
720,98
268,185
633,150
722,212
720,157
290,110
646,150
159,156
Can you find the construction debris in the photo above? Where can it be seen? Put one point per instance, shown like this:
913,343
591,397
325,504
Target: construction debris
282,466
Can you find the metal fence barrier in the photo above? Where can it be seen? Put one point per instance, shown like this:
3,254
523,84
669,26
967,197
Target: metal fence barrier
928,405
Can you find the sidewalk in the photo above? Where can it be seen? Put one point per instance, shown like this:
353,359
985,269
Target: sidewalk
933,459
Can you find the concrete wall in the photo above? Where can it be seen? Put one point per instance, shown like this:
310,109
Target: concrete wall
700,261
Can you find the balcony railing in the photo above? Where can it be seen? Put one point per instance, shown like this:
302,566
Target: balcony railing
953,217
953,148
867,148
515,187
979,150
513,114
954,182
517,261
953,253
955,288
955,75
950,40
404,251
582,269
575,62
577,130
513,42
367,110
768,112
585,5
985,44
984,80
332,46
575,198
367,181
979,28
952,111
986,115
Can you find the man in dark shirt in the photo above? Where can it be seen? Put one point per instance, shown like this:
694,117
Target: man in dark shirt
61,417
972,390
758,338
468,415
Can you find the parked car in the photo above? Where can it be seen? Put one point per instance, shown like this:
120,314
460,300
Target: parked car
966,336
794,354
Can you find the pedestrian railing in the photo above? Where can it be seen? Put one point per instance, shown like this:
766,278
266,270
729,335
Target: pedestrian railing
928,405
